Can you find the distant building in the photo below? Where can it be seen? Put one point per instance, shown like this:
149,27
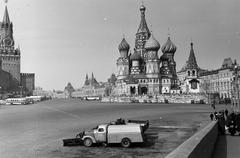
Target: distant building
10,58
91,87
40,92
189,75
220,81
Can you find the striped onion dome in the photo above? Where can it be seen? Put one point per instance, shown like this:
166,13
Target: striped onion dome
123,45
169,47
152,44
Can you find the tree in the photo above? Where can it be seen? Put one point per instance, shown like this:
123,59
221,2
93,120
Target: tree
69,88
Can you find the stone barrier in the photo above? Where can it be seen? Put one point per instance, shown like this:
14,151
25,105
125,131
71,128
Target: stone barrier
200,145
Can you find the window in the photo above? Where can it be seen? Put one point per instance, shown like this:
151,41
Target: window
188,73
100,130
193,73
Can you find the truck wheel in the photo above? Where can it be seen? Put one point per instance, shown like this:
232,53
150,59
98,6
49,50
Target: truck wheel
87,142
125,142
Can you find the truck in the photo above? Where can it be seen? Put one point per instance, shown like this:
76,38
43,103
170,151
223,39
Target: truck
112,133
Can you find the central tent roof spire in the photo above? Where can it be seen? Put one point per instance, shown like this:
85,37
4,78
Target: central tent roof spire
6,18
192,62
143,24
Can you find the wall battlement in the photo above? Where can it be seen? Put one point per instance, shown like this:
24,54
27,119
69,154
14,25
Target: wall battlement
27,74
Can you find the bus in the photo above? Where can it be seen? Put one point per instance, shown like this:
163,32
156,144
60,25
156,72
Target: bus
35,98
17,101
92,98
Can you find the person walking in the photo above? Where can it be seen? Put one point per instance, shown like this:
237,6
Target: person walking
211,116
226,112
213,106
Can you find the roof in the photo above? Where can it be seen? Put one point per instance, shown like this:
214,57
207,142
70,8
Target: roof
143,24
152,44
169,47
227,62
135,56
191,62
6,19
123,45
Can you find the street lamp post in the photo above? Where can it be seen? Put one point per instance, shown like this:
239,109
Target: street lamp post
1,92
21,91
236,100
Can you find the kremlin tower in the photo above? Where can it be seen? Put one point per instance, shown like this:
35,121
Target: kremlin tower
10,58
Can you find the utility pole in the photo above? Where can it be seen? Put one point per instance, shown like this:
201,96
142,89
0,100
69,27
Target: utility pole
1,92
236,99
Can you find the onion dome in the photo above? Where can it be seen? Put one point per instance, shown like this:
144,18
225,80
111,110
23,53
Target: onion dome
135,56
164,57
169,47
152,44
123,45
142,8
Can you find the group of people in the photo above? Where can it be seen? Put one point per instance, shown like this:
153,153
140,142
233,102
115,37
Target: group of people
231,121
216,115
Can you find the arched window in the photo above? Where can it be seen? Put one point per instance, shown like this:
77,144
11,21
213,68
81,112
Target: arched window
193,72
188,73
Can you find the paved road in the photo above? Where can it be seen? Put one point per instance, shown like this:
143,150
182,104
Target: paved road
25,130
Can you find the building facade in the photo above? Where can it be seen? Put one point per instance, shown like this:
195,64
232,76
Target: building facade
144,72
91,87
10,58
220,81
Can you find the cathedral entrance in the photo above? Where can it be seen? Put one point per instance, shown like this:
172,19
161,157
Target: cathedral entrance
143,90
132,90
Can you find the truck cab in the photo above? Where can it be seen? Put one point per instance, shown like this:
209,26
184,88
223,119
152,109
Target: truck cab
96,135
100,133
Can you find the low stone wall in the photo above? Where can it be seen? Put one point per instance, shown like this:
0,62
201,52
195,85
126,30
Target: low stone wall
200,145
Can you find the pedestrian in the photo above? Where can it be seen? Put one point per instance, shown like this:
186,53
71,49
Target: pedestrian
213,106
226,112
211,116
215,115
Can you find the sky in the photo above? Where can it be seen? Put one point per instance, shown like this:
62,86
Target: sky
63,40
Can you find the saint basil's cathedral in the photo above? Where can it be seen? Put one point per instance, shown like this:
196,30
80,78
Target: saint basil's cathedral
144,72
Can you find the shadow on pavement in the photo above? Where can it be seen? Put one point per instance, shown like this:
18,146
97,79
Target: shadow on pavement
221,147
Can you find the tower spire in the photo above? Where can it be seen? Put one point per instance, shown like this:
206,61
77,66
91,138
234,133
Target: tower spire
143,24
6,19
168,32
192,62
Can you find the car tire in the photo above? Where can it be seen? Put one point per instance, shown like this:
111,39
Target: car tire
126,142
87,142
